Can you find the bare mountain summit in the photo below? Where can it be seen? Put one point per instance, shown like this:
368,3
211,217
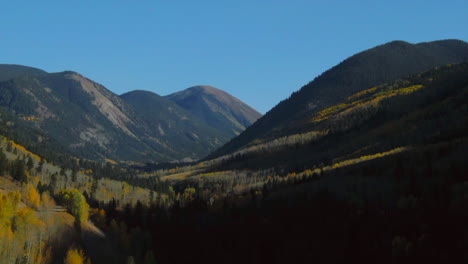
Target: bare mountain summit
216,107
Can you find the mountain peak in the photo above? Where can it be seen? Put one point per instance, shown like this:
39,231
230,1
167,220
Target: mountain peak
199,90
398,43
216,107
139,93
203,88
206,89
9,71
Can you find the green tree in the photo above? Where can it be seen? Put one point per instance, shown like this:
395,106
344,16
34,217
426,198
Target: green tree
3,162
30,164
53,182
75,203
73,175
18,171
40,165
9,147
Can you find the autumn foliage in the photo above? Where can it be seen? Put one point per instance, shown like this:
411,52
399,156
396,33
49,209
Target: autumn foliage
75,256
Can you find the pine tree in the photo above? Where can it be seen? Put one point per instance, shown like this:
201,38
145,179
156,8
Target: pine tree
3,162
9,147
30,164
73,175
18,171
40,165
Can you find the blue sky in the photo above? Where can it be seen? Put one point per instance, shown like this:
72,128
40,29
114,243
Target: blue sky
258,51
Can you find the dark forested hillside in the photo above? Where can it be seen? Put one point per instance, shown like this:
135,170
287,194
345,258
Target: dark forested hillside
362,71
426,107
184,134
378,177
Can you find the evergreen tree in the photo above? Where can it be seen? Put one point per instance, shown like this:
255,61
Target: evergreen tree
9,147
40,165
73,175
3,162
18,171
30,164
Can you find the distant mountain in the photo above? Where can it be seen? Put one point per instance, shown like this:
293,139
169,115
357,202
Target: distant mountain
179,131
362,71
217,108
84,116
92,122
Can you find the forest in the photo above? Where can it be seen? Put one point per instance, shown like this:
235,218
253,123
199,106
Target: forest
378,177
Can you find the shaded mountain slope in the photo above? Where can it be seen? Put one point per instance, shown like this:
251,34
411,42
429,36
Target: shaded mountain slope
217,108
176,128
372,67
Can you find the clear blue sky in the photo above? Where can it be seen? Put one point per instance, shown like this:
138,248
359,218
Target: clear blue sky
259,51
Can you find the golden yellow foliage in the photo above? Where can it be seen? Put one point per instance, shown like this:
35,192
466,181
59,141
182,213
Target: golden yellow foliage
357,95
8,205
112,161
18,225
47,201
74,256
28,217
86,171
30,118
31,196
368,157
25,151
374,96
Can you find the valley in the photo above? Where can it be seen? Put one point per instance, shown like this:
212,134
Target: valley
366,163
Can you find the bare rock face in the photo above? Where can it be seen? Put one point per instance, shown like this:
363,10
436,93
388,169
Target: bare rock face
109,106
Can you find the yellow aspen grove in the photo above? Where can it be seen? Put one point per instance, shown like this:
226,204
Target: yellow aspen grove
31,196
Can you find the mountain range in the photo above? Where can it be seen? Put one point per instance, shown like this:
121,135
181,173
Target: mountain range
365,163
90,121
